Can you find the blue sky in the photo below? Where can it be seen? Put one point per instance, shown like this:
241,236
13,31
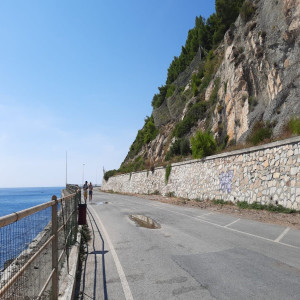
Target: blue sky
79,76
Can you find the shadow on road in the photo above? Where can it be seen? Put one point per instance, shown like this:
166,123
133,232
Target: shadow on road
81,291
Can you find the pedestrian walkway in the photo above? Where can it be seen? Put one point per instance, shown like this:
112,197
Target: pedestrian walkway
93,273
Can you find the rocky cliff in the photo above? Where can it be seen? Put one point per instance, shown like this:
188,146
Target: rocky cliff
256,79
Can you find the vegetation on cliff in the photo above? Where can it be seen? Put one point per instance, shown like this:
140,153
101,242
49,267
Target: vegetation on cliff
205,36
225,88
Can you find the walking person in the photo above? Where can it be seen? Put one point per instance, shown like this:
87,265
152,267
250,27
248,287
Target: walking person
90,191
85,189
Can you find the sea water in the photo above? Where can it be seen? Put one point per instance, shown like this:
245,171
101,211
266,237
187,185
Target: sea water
14,200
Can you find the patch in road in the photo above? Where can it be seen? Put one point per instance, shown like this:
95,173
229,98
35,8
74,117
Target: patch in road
242,274
144,221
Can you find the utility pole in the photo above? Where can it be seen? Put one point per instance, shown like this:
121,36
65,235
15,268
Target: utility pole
66,168
83,174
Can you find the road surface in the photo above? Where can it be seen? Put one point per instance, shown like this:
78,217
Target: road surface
195,254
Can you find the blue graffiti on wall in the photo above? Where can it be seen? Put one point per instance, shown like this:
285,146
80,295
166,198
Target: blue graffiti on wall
226,181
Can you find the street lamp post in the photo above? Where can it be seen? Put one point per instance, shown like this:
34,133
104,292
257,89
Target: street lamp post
83,174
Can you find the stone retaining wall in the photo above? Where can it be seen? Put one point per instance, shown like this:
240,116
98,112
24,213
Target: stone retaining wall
267,174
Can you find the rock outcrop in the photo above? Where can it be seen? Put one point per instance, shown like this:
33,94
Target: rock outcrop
258,79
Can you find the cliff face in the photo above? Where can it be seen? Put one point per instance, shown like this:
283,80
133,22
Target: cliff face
261,65
258,79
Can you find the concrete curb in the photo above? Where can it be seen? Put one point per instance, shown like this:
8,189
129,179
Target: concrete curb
67,286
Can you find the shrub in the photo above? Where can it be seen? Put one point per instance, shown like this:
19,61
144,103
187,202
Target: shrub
196,112
168,172
185,148
220,108
109,174
137,165
196,81
247,10
260,132
179,147
269,207
144,136
294,126
170,194
222,202
214,94
171,90
203,144
252,101
150,131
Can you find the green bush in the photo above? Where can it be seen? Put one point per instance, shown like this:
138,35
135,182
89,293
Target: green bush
294,126
260,132
171,90
196,112
156,192
196,81
269,207
214,94
159,98
150,131
252,101
179,147
137,165
168,172
203,144
247,10
185,148
170,194
109,174
144,136
220,201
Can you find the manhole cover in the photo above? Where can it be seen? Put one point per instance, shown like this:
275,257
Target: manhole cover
144,221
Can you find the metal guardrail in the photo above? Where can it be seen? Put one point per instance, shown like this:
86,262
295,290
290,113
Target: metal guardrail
35,245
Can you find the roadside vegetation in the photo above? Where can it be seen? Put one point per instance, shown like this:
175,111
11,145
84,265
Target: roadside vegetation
257,206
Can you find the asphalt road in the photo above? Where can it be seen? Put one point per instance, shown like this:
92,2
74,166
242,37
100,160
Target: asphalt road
195,254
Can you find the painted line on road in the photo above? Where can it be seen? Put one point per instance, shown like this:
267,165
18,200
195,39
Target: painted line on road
282,235
220,226
232,223
124,282
211,213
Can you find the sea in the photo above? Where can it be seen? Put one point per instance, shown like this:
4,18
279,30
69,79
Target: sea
14,200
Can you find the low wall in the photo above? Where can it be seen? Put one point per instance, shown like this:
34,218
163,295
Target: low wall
267,174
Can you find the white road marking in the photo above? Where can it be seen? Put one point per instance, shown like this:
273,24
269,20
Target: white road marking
124,282
232,223
282,235
211,213
217,225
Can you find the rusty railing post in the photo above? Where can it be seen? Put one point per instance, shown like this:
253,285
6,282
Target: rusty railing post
54,250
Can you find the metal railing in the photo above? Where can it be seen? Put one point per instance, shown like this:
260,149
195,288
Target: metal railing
34,248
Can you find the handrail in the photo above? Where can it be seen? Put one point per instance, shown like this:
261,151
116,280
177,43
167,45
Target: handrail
11,276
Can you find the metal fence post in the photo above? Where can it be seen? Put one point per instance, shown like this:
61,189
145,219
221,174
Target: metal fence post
54,250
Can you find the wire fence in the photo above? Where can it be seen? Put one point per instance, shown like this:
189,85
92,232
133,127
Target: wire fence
34,248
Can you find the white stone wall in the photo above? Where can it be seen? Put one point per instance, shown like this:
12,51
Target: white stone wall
266,174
